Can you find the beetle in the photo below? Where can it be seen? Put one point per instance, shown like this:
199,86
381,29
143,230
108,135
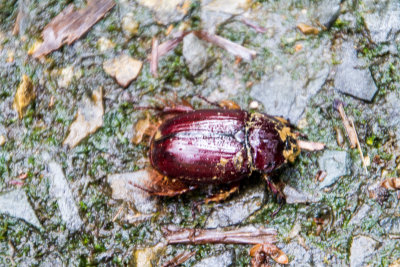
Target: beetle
217,146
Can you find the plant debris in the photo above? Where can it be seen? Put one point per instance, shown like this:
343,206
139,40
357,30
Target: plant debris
256,27
179,259
244,235
307,29
71,24
154,58
260,252
228,45
351,131
88,119
391,183
123,68
310,146
351,134
24,96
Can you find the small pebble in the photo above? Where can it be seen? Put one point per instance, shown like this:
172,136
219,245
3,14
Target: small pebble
130,26
254,105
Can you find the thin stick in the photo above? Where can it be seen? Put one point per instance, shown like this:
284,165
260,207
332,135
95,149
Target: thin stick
359,147
245,235
181,258
310,146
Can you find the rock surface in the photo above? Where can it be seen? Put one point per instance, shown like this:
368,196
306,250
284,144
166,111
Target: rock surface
195,53
59,189
336,164
122,188
167,11
238,209
327,11
382,19
223,260
16,204
362,248
353,76
282,96
294,196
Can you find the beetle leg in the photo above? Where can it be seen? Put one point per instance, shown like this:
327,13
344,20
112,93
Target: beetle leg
160,185
275,189
223,194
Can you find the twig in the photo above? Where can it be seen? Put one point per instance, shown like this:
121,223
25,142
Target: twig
245,235
154,58
181,258
310,146
359,147
226,44
338,105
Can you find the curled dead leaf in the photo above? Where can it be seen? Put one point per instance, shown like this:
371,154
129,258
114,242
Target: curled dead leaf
24,96
391,183
70,25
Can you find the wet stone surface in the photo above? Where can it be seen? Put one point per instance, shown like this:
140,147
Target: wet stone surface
223,260
238,209
362,249
78,207
15,204
336,164
353,76
382,19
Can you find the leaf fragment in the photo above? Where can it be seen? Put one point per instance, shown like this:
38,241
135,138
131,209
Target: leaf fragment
71,24
123,68
307,29
88,119
24,96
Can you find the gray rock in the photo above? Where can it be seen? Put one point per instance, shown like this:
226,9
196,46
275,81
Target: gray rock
15,203
362,248
122,188
288,98
336,164
293,196
301,256
238,209
360,215
312,256
216,12
195,53
392,100
59,189
165,11
382,18
223,260
391,225
352,76
327,11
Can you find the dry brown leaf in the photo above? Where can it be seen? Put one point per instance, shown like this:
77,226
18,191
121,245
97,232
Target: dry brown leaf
88,119
123,68
70,25
141,128
391,183
307,29
24,96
